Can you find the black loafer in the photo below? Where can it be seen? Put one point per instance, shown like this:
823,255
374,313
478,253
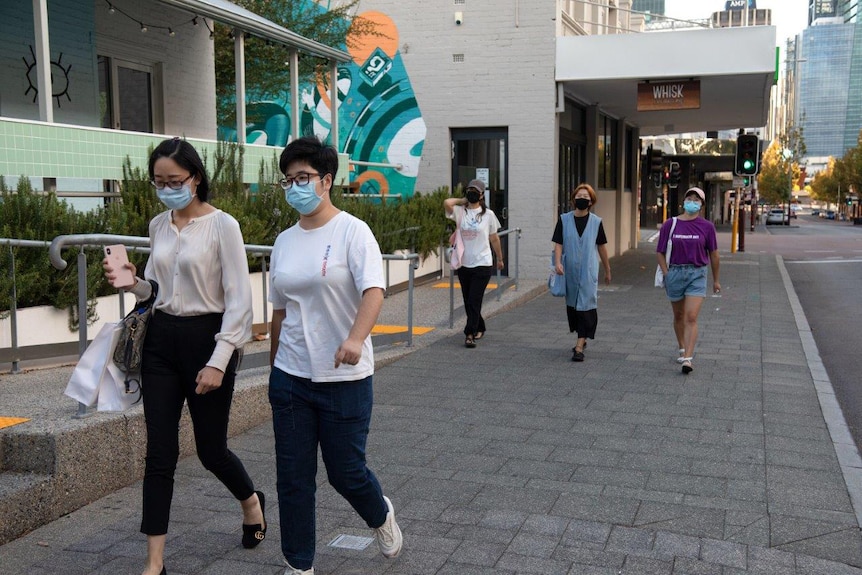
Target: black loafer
252,535
578,356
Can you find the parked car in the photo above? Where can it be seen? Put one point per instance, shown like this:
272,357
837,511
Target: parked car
776,216
830,215
815,212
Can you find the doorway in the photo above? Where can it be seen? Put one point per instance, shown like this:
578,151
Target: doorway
573,160
483,154
126,95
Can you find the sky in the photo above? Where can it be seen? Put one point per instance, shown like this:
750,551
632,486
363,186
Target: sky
788,16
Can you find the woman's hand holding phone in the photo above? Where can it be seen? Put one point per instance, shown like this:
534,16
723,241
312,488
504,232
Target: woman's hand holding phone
118,270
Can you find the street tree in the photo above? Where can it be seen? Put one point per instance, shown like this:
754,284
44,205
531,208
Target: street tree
824,186
779,167
267,68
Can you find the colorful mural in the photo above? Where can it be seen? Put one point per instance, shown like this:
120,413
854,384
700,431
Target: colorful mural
379,118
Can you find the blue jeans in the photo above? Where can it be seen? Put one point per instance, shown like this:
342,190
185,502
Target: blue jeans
335,416
685,280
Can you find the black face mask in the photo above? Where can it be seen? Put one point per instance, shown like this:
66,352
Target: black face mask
472,196
582,203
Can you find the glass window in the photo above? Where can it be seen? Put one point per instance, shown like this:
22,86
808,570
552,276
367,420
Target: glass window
607,152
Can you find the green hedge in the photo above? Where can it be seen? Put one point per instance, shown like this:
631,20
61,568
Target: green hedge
416,224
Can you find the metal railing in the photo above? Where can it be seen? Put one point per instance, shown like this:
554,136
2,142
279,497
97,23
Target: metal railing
13,303
501,283
141,244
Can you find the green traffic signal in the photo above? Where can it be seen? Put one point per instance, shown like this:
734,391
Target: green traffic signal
748,165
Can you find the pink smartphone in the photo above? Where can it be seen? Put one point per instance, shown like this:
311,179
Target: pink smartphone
118,258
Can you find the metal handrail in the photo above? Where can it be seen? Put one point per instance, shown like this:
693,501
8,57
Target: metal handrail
501,285
138,243
13,304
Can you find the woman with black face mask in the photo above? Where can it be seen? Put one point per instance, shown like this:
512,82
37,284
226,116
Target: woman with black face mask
477,226
579,243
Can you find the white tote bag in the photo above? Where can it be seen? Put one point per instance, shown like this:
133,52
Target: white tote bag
659,275
84,384
112,389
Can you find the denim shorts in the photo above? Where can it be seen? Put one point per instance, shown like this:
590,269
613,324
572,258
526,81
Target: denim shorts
682,281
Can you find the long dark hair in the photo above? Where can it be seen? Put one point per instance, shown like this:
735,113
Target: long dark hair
481,203
186,157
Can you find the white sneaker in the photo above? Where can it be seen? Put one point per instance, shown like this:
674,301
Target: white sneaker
388,535
294,571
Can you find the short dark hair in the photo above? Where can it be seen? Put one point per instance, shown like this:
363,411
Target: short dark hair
315,153
186,157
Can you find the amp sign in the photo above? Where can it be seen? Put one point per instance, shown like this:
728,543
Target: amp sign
740,4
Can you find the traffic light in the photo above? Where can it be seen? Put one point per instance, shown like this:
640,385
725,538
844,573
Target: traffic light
656,162
747,155
746,181
675,175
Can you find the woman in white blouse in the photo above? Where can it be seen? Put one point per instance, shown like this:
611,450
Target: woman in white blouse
203,316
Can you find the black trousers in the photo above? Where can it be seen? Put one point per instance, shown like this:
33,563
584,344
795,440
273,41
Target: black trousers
473,283
175,349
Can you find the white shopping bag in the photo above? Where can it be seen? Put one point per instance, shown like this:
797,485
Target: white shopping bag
118,391
84,384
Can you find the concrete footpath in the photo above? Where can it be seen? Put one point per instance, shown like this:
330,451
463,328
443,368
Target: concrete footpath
510,458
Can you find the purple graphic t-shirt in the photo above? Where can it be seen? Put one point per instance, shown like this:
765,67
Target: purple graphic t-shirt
693,241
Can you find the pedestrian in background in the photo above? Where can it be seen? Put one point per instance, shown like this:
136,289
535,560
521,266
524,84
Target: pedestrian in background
478,226
202,318
695,248
326,291
579,244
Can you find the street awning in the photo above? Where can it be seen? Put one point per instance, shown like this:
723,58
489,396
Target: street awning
733,68
237,17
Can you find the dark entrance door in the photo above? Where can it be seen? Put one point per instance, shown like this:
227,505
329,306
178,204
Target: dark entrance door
483,154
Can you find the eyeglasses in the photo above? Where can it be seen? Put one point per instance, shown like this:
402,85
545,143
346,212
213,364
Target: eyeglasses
302,179
171,185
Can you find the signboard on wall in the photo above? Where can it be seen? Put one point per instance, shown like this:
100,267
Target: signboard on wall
672,95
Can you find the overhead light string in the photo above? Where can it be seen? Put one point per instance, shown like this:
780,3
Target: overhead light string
169,30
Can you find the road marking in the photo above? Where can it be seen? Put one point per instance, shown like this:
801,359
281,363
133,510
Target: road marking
491,285
10,421
385,329
827,261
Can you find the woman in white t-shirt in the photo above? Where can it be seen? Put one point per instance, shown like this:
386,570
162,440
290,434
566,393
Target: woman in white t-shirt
326,291
478,228
202,319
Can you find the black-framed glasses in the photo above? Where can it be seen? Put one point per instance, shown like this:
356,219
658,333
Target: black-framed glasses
302,179
172,185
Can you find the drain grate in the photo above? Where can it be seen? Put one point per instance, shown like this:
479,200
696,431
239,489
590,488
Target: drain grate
351,542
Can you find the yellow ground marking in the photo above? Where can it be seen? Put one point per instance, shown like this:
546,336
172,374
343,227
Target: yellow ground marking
491,285
10,421
381,329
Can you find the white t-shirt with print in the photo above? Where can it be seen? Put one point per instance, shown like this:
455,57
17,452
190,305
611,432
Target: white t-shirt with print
318,277
476,227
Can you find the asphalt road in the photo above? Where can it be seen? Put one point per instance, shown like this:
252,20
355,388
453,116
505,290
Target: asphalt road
824,261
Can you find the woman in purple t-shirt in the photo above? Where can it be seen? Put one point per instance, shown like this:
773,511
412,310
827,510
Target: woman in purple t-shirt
694,248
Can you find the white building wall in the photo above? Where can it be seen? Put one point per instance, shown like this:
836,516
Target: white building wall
183,64
505,80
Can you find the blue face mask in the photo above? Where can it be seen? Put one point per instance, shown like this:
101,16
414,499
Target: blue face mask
303,199
691,207
176,199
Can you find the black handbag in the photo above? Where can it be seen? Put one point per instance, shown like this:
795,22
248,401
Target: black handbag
130,344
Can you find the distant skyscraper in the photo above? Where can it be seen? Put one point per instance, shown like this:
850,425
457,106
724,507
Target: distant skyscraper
654,7
829,87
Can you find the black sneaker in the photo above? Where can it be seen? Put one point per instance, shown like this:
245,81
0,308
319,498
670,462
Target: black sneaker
578,356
